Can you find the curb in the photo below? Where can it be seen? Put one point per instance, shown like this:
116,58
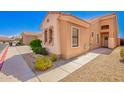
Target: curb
3,57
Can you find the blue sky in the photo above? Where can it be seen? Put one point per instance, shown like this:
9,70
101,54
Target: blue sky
13,23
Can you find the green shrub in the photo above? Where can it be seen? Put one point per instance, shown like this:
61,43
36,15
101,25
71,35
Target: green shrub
44,51
40,50
37,48
122,54
35,43
43,63
53,57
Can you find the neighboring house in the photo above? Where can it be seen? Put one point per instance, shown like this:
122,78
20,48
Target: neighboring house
27,37
69,36
6,40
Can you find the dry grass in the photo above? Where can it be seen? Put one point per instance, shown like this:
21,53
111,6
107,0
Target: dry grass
105,68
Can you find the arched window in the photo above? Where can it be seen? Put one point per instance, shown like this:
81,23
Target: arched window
50,35
97,38
45,36
92,34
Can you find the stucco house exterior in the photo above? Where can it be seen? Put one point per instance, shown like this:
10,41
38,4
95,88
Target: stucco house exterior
6,40
27,37
70,36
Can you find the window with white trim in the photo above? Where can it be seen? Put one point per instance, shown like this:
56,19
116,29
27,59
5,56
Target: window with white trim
75,37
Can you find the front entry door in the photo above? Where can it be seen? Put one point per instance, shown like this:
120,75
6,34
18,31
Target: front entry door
106,41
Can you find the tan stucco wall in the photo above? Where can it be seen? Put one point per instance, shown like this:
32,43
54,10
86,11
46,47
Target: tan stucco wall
72,19
53,22
40,37
67,51
95,28
27,39
113,32
62,26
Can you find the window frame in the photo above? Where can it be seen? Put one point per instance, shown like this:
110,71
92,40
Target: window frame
104,27
72,37
92,34
45,36
50,36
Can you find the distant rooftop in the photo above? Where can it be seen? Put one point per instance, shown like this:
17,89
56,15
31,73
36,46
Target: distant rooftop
32,33
5,38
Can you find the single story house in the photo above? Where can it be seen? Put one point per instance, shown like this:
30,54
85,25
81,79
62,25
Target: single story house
70,36
6,40
27,37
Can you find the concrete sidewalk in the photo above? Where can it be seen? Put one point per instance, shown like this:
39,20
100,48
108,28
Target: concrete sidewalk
64,70
72,65
16,68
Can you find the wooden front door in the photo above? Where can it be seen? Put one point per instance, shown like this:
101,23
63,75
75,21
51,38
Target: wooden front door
105,40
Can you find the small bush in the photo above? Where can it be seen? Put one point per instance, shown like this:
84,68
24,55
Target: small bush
53,57
44,51
122,54
42,63
35,43
40,50
37,48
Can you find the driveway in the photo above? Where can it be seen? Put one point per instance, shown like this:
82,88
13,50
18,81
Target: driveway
15,68
105,68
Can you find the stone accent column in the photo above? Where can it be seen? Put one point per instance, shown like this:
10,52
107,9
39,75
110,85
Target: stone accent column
111,43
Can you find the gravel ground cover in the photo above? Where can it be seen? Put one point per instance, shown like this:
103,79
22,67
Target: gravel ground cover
105,68
30,60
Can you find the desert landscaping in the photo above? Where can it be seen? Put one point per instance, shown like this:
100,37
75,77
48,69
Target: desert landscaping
105,68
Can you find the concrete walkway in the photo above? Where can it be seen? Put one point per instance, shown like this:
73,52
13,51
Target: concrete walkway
64,70
72,65
15,68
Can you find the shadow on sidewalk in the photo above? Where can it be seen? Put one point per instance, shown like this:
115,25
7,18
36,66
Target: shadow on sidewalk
18,70
105,51
24,71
